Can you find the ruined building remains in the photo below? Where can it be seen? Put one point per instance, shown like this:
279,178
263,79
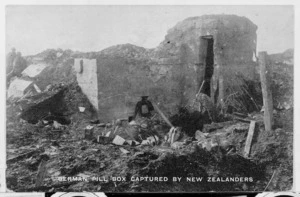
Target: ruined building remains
216,48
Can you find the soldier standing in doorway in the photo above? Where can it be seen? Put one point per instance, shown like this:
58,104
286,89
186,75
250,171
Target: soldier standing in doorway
143,108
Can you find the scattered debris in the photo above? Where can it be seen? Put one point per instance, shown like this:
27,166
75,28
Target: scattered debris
177,145
207,128
89,132
103,139
41,173
173,135
57,125
249,138
35,70
81,109
19,87
49,119
108,134
199,135
124,150
132,142
133,123
22,156
118,140
101,125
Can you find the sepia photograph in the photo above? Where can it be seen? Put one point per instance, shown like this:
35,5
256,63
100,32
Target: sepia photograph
149,98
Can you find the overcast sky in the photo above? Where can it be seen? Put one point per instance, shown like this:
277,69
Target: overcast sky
32,29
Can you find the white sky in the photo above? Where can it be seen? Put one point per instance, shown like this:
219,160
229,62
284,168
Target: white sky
32,29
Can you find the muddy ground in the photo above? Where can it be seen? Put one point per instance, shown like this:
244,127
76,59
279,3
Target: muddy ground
218,152
68,154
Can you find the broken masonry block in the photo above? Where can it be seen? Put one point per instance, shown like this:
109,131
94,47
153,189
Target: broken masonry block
103,139
145,142
187,141
108,134
81,109
133,123
96,121
208,144
89,132
177,145
118,122
200,135
57,125
118,140
101,125
132,142
123,150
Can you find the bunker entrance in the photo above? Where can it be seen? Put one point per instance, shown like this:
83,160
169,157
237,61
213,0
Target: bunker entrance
207,62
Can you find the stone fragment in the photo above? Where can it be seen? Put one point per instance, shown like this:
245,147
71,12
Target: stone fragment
200,135
103,139
57,125
118,140
123,150
177,145
89,132
81,109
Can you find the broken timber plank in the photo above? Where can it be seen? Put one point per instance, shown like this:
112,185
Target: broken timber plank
162,115
240,115
41,173
266,91
249,138
221,87
22,156
242,119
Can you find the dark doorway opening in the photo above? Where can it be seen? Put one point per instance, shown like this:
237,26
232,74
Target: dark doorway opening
208,63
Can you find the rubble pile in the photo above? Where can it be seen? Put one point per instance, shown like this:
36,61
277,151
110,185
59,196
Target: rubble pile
116,149
56,133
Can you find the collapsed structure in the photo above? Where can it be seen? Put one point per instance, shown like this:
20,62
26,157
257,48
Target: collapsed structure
81,127
216,48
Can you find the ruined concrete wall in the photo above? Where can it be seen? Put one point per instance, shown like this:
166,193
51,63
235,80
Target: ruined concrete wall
171,74
86,73
123,81
234,38
234,47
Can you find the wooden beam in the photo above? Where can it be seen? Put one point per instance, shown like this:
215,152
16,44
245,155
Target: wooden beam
41,173
249,138
265,75
221,87
22,156
162,115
